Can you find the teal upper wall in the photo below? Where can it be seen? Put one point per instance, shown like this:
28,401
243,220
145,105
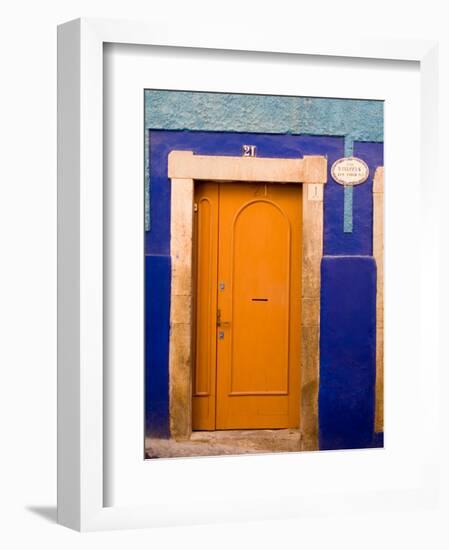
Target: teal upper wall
355,119
173,110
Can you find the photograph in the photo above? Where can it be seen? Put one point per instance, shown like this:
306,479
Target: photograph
263,249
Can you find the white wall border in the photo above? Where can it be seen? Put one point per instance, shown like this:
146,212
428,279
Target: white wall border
80,253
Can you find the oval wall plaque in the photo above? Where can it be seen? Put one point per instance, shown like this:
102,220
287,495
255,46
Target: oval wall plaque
350,171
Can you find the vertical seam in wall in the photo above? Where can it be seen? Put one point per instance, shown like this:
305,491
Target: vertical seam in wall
147,180
348,207
378,196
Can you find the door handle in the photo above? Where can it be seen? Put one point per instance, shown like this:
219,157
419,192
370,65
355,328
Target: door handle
221,323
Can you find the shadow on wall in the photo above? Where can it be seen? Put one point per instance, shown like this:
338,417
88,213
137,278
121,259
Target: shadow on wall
50,513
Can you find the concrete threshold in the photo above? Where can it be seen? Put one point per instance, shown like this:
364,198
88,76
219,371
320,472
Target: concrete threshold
226,442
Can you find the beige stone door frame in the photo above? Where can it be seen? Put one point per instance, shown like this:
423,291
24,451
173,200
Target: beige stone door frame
183,169
378,253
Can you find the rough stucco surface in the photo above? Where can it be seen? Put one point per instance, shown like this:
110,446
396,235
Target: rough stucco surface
361,120
227,112
357,120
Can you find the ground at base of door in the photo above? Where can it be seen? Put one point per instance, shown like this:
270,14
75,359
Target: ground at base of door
225,442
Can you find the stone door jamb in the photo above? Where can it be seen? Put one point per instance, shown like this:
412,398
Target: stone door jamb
183,169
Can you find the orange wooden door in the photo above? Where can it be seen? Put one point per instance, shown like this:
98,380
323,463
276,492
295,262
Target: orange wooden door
252,360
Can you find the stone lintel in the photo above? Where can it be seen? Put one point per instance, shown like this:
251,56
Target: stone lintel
310,169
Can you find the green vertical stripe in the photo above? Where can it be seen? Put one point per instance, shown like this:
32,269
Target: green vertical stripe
347,209
348,191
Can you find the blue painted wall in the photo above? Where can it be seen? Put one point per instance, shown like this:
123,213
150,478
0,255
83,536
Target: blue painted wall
348,300
347,352
347,370
157,330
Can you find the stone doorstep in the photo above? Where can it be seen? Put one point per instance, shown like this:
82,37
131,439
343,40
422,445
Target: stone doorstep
226,442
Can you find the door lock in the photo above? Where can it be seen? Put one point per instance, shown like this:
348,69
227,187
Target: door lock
221,323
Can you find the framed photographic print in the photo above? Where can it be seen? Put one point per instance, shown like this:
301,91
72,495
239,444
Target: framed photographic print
231,276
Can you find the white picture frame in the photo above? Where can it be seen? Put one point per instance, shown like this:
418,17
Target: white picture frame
82,490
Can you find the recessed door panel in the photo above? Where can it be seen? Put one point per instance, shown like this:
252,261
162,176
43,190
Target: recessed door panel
260,287
205,305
